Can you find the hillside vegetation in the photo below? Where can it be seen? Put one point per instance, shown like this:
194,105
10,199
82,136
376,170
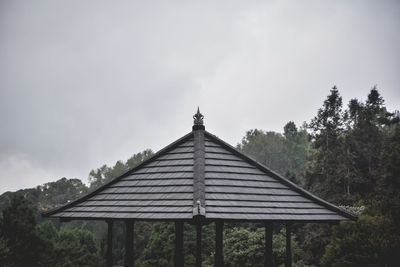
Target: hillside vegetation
348,155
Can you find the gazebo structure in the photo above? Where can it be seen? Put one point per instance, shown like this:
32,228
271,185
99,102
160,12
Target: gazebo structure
200,179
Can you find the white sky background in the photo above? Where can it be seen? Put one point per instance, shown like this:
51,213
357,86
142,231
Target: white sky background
83,83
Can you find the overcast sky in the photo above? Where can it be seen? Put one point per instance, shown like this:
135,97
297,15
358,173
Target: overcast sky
83,83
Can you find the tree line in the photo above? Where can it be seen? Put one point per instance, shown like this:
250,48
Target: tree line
348,155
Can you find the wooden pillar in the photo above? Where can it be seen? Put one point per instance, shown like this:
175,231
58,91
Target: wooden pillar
178,258
219,257
268,245
109,243
198,244
129,259
288,260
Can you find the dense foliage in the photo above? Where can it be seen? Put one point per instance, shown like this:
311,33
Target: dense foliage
77,243
285,154
355,161
25,243
349,155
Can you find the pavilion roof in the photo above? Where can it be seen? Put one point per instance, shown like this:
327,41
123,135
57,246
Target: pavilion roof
201,175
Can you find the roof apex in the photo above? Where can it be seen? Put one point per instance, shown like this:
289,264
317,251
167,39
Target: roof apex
198,121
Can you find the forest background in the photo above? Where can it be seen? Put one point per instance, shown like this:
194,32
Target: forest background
347,154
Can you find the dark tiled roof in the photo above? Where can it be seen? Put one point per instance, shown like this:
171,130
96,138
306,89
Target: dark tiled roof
200,172
237,188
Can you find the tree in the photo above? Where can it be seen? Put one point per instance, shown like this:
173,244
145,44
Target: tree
389,181
76,247
324,174
25,243
265,147
313,238
160,247
365,141
57,193
73,247
19,234
368,125
244,246
285,154
296,147
159,251
4,251
368,242
139,158
104,174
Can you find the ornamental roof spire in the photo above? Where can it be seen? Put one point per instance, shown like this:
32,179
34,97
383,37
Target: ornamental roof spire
198,118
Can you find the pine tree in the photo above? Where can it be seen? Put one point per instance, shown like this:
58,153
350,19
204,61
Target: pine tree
296,147
324,174
364,142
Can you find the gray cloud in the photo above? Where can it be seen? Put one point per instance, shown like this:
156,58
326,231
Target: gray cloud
87,83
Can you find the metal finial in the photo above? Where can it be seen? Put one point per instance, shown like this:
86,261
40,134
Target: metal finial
198,118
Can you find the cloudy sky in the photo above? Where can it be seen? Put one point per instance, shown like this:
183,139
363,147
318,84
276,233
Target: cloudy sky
83,83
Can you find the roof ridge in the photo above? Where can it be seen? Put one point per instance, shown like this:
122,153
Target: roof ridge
199,172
